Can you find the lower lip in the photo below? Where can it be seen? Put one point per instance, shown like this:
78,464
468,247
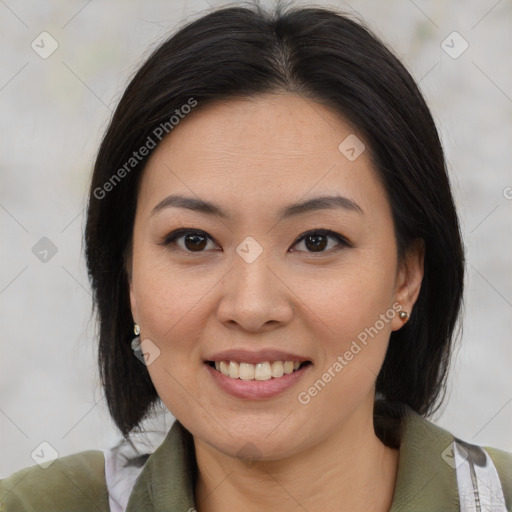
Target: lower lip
256,389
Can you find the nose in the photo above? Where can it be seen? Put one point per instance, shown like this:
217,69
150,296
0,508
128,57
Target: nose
254,296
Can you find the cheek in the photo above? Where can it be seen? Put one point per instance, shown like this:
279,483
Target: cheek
352,318
165,293
354,332
170,302
351,298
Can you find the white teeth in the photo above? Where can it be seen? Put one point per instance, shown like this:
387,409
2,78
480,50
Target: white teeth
277,369
246,371
259,371
224,368
233,370
288,367
262,371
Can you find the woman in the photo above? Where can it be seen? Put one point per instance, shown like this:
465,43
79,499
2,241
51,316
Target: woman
275,256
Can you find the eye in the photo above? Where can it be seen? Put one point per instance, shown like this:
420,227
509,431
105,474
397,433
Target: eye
194,240
317,240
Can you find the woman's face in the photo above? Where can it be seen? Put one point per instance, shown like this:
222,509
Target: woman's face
260,282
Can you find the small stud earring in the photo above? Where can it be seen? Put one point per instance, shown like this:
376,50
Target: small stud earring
136,341
404,316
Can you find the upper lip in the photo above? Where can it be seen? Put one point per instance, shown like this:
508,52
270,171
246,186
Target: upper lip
247,356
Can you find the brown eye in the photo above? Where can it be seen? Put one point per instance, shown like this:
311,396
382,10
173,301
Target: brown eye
195,242
317,241
187,240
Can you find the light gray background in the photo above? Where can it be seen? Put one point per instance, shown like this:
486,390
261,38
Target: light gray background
53,114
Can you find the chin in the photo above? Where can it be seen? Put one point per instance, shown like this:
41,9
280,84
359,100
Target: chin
252,442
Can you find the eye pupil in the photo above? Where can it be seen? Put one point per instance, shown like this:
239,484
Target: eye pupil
198,240
319,242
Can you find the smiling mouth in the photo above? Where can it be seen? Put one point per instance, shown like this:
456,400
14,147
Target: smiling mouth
261,371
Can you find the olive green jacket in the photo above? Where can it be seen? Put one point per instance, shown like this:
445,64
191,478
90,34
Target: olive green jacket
436,472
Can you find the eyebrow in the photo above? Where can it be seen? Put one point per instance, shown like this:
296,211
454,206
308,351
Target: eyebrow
292,210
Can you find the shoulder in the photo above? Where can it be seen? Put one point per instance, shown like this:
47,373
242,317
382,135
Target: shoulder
72,483
439,471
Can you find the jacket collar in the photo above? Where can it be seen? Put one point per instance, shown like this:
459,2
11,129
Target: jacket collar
426,479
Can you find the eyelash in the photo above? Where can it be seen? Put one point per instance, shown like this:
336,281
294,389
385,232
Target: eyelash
179,233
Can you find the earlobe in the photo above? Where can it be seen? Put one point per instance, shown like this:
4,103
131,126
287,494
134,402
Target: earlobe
409,279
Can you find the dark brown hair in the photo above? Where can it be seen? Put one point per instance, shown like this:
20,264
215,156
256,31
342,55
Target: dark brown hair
322,55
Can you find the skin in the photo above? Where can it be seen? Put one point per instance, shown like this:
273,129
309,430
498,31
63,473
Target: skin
252,157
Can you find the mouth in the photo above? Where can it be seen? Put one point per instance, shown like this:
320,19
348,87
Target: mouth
265,370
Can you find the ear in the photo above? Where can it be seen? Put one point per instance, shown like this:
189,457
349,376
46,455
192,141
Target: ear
129,277
409,279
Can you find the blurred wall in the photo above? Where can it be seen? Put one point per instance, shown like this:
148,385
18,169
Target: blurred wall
57,91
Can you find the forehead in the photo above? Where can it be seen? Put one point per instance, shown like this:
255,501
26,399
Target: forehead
262,128
261,148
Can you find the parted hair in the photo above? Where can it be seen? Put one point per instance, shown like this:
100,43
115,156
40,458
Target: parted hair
328,57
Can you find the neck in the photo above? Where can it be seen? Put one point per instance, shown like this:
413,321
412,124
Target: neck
351,470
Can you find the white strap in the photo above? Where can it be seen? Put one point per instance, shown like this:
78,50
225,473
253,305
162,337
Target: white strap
124,462
119,478
477,479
